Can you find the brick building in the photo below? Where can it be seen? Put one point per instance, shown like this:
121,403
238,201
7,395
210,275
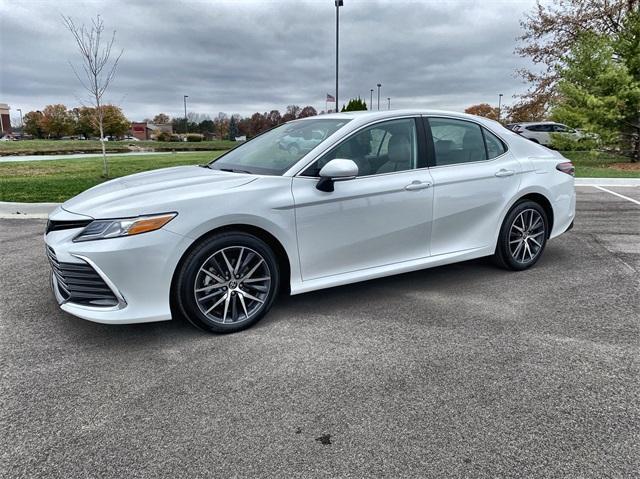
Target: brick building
5,121
143,130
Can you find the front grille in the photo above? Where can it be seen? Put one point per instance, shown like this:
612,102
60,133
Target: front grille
66,225
79,283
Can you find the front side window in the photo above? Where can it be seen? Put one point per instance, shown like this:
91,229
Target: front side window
385,147
456,141
277,150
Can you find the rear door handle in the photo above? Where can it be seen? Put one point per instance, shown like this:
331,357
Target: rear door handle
502,173
417,185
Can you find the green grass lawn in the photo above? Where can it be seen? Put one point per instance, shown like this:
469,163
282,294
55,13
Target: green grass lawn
41,147
594,164
59,180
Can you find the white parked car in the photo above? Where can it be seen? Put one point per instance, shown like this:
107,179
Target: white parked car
540,132
383,193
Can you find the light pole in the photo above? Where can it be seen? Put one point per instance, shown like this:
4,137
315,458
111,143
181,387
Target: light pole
388,103
379,85
338,3
499,105
186,123
371,100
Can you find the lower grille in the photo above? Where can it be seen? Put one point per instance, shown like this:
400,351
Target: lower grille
79,283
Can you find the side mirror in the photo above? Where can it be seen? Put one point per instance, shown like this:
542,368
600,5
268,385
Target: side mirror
336,170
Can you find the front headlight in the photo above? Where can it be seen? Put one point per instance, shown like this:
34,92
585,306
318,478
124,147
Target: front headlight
103,229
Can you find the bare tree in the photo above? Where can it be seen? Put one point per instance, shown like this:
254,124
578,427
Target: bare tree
98,67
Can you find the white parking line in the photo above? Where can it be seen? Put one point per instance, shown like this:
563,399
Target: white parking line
618,195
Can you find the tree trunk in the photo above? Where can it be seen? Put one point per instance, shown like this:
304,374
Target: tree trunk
105,165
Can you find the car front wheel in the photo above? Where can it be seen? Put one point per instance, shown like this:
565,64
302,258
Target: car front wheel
523,236
227,283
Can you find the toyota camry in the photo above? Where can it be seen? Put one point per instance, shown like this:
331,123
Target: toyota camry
380,193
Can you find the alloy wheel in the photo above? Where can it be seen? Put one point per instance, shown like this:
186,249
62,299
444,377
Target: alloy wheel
526,236
232,285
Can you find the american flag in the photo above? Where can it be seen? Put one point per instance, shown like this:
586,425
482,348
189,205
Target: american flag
331,98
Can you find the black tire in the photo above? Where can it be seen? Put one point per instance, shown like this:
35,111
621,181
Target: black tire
508,239
191,272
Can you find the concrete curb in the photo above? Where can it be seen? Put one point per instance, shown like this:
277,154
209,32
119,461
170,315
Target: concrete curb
607,181
9,209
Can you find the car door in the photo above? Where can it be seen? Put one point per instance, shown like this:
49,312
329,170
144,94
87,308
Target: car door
381,217
474,178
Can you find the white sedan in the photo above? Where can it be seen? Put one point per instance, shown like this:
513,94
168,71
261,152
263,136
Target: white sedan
383,193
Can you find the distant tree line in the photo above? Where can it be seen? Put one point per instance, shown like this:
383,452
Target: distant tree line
57,121
225,126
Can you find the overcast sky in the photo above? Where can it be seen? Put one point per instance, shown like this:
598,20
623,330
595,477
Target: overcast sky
245,56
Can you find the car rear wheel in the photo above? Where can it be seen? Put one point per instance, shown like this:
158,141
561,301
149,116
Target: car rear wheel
523,236
227,283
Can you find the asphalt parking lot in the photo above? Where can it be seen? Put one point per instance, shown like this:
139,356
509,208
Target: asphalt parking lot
459,371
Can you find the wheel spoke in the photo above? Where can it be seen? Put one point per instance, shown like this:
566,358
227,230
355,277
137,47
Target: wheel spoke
258,287
207,288
212,295
249,296
237,268
515,253
256,280
244,306
226,260
522,222
252,270
535,241
216,304
226,307
210,274
234,307
535,223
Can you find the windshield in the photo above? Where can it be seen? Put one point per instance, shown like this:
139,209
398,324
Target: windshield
277,150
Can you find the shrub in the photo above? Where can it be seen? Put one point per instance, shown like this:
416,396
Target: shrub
194,137
175,137
567,143
163,136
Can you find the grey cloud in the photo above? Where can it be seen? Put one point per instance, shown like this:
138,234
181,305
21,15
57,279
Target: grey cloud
248,56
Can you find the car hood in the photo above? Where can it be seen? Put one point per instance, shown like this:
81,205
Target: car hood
152,191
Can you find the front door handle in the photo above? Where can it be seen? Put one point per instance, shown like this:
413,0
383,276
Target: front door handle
417,185
502,173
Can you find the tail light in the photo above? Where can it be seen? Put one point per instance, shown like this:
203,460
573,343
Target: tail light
566,167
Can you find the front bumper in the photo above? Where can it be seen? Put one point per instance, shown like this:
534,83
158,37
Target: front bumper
137,269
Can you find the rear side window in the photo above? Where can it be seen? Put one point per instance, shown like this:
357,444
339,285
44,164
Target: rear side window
456,141
495,146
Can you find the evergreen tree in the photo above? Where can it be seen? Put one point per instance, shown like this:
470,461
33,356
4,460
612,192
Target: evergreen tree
600,87
355,104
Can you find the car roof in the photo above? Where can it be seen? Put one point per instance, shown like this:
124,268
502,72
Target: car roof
372,115
537,123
